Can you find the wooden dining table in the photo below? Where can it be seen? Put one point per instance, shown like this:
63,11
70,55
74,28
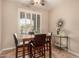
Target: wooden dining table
28,38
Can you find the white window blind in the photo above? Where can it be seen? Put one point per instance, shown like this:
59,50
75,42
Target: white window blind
29,21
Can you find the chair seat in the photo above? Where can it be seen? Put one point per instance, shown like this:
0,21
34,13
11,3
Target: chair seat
21,43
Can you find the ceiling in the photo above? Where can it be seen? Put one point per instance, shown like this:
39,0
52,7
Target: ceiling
49,3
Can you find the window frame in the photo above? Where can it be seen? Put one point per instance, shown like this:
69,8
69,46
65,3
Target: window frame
31,12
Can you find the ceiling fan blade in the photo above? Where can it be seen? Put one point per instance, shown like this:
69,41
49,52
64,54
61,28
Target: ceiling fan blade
42,2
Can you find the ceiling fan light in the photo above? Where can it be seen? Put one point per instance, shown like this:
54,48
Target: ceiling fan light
38,2
42,4
32,3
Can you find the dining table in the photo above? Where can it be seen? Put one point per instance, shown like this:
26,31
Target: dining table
27,38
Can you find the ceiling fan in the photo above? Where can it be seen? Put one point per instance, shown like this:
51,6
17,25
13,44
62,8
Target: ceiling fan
38,2
41,4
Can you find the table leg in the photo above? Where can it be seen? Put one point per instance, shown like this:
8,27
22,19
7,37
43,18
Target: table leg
60,42
54,41
23,49
50,52
67,43
30,51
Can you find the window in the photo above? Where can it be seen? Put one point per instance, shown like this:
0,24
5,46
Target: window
29,21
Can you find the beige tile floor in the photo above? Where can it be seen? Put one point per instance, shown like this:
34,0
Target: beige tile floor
56,53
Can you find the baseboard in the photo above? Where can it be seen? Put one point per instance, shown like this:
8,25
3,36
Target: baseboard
7,49
70,51
74,53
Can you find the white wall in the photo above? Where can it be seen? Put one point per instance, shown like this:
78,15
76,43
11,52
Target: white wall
69,12
0,20
10,14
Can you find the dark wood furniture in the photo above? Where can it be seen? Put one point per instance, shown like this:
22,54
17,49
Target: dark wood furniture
26,38
61,38
31,33
19,46
48,45
37,46
24,45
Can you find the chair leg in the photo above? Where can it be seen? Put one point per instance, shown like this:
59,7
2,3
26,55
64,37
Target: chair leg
44,52
30,52
16,52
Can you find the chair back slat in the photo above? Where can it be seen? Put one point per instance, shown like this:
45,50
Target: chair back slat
39,39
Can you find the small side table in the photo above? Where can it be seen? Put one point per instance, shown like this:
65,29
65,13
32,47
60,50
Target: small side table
60,37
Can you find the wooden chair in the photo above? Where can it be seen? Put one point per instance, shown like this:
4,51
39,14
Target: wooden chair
19,46
48,44
31,33
48,40
37,46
